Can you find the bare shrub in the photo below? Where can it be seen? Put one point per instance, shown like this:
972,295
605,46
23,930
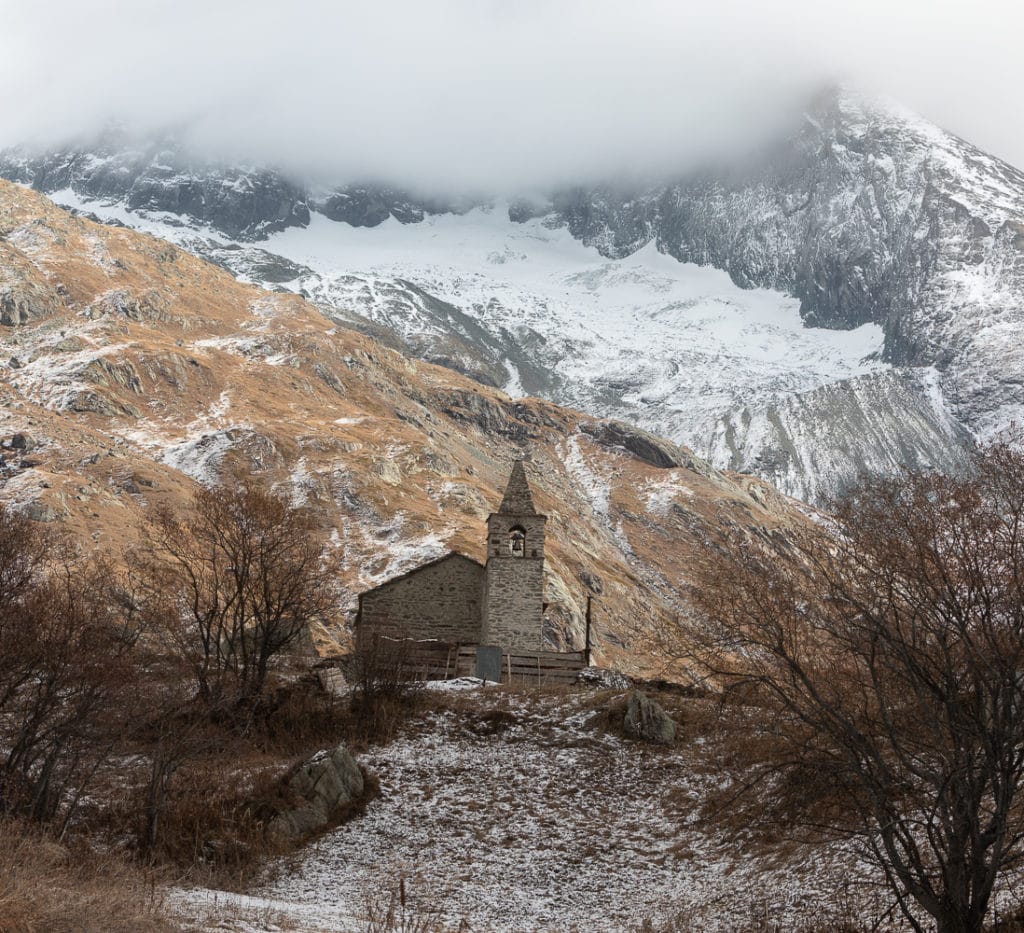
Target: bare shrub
887,654
394,911
214,818
299,715
386,688
65,671
171,742
233,584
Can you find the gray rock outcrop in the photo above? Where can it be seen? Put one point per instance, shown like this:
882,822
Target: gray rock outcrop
603,679
325,784
646,721
645,446
25,294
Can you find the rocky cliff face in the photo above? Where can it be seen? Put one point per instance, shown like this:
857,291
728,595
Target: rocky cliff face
865,220
140,370
874,425
867,215
244,203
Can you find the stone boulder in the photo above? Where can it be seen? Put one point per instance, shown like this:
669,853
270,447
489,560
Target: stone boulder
24,301
646,721
25,442
41,512
323,785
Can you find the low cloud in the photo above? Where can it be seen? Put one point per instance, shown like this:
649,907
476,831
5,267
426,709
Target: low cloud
471,94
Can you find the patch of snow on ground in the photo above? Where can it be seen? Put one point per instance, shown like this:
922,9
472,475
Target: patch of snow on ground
301,483
21,489
382,549
527,816
595,486
660,494
52,366
199,457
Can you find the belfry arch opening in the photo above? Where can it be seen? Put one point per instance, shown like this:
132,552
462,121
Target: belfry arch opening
517,541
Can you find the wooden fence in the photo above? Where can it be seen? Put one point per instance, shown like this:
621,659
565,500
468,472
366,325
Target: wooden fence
437,660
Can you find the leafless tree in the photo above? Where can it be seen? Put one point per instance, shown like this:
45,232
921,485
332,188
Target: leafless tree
888,650
386,685
64,661
231,583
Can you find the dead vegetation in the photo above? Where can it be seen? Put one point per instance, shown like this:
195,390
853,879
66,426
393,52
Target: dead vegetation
391,911
152,712
386,693
46,887
230,586
880,663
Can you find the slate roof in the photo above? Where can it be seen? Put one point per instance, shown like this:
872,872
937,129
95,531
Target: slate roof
518,498
430,563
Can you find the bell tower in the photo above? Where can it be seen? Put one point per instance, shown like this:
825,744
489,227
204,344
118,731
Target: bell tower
514,579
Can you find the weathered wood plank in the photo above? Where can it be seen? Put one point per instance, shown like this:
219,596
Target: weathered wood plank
519,660
440,660
550,654
534,669
550,681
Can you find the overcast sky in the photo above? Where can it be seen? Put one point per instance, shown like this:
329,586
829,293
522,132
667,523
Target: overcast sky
481,93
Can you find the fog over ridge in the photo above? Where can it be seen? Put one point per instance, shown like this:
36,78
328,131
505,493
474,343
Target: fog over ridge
462,95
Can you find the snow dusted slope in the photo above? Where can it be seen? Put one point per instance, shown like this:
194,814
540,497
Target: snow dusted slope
869,426
849,302
676,348
664,344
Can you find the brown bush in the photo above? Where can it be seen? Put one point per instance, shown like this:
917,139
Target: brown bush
887,651
299,716
45,888
386,691
214,821
66,670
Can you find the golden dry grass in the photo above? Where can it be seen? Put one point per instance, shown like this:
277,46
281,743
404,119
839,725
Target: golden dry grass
46,888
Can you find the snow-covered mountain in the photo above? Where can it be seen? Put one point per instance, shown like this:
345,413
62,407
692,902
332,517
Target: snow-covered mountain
851,301
131,371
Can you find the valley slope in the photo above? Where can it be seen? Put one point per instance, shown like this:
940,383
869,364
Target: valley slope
136,370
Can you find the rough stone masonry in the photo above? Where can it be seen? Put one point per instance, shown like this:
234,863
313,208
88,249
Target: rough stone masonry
457,599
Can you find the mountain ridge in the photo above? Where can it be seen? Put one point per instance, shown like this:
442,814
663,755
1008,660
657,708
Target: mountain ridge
867,217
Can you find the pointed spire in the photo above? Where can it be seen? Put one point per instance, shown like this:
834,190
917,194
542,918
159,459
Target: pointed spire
518,498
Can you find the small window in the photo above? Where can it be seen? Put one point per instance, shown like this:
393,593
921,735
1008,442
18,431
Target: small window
517,542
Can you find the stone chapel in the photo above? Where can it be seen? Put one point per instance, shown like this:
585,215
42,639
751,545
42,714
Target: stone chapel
457,599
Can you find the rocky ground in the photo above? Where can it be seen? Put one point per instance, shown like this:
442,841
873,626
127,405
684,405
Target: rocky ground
531,811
